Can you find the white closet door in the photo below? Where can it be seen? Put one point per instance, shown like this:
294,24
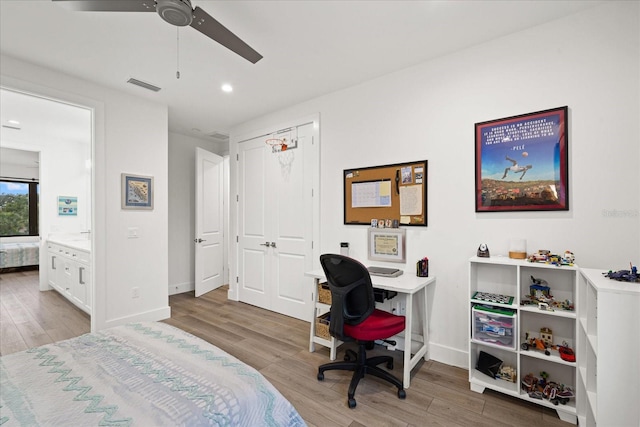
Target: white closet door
276,223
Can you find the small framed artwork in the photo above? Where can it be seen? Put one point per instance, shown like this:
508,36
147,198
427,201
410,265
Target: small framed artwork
522,162
67,206
387,244
137,192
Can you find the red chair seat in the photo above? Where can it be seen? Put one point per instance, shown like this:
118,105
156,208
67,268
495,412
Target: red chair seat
379,325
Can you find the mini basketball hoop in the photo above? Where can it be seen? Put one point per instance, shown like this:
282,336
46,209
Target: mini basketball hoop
277,144
281,147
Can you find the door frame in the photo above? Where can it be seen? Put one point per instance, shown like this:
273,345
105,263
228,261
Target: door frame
234,192
98,271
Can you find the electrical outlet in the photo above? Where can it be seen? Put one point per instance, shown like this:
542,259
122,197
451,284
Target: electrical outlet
135,292
403,309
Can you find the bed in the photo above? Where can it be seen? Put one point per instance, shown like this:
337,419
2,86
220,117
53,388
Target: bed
145,374
19,254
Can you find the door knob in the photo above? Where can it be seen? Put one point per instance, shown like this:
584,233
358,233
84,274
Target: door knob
267,244
199,240
273,244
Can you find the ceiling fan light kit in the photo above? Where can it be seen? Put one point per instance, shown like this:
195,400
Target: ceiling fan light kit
176,12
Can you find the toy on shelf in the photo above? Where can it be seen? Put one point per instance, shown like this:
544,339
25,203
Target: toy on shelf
507,373
630,275
540,295
544,343
566,353
483,251
492,366
539,290
546,335
492,298
542,388
546,257
541,256
531,342
568,258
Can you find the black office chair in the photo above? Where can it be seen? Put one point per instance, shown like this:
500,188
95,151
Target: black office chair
353,317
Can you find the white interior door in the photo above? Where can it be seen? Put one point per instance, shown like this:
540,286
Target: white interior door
276,223
209,201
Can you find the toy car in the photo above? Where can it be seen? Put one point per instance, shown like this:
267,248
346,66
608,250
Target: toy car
566,353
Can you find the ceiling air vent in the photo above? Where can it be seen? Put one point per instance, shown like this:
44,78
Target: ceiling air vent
218,135
143,84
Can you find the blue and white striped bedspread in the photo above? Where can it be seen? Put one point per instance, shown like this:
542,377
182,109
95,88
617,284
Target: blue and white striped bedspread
145,374
19,254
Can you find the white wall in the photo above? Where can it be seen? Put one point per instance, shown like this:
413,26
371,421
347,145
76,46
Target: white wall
182,184
589,61
130,136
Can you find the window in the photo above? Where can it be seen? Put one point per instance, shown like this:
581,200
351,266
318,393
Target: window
18,208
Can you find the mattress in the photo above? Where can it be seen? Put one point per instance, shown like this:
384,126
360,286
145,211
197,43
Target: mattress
19,254
145,374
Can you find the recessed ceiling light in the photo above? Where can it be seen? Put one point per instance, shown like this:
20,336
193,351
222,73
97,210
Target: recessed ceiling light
227,88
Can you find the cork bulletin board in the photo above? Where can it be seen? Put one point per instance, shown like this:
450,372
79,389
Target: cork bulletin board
390,192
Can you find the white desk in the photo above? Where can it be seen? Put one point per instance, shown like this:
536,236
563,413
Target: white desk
408,284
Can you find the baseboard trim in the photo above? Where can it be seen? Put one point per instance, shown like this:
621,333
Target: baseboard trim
181,288
448,355
147,316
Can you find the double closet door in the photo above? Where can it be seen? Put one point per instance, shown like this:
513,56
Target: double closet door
275,221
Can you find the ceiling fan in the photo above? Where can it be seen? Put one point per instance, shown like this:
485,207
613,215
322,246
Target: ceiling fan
175,12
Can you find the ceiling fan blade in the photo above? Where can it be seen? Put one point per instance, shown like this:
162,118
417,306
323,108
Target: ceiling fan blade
109,5
213,29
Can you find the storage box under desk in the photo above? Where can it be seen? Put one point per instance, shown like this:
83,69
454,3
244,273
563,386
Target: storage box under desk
495,326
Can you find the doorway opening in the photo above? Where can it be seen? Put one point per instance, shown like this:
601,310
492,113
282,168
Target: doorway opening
50,142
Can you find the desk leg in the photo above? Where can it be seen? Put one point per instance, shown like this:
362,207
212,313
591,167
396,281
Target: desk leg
407,341
312,345
333,350
425,324
411,361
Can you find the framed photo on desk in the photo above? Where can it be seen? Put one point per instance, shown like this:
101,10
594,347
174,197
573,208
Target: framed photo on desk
387,244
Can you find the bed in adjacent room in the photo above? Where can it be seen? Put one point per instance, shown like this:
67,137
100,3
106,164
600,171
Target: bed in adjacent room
19,254
146,374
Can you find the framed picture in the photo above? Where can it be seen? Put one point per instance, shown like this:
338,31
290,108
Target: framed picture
137,192
522,162
67,206
387,244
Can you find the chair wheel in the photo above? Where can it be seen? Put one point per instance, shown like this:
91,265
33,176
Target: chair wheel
320,376
402,394
390,365
352,403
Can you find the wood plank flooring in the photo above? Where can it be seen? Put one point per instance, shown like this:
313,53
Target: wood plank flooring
30,318
278,346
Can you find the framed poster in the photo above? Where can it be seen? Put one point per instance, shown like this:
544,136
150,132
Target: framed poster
522,162
67,206
137,192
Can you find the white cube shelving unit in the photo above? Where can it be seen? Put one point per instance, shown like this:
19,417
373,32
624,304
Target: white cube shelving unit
608,344
505,276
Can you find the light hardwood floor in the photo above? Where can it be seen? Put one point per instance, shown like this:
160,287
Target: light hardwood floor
278,347
30,318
